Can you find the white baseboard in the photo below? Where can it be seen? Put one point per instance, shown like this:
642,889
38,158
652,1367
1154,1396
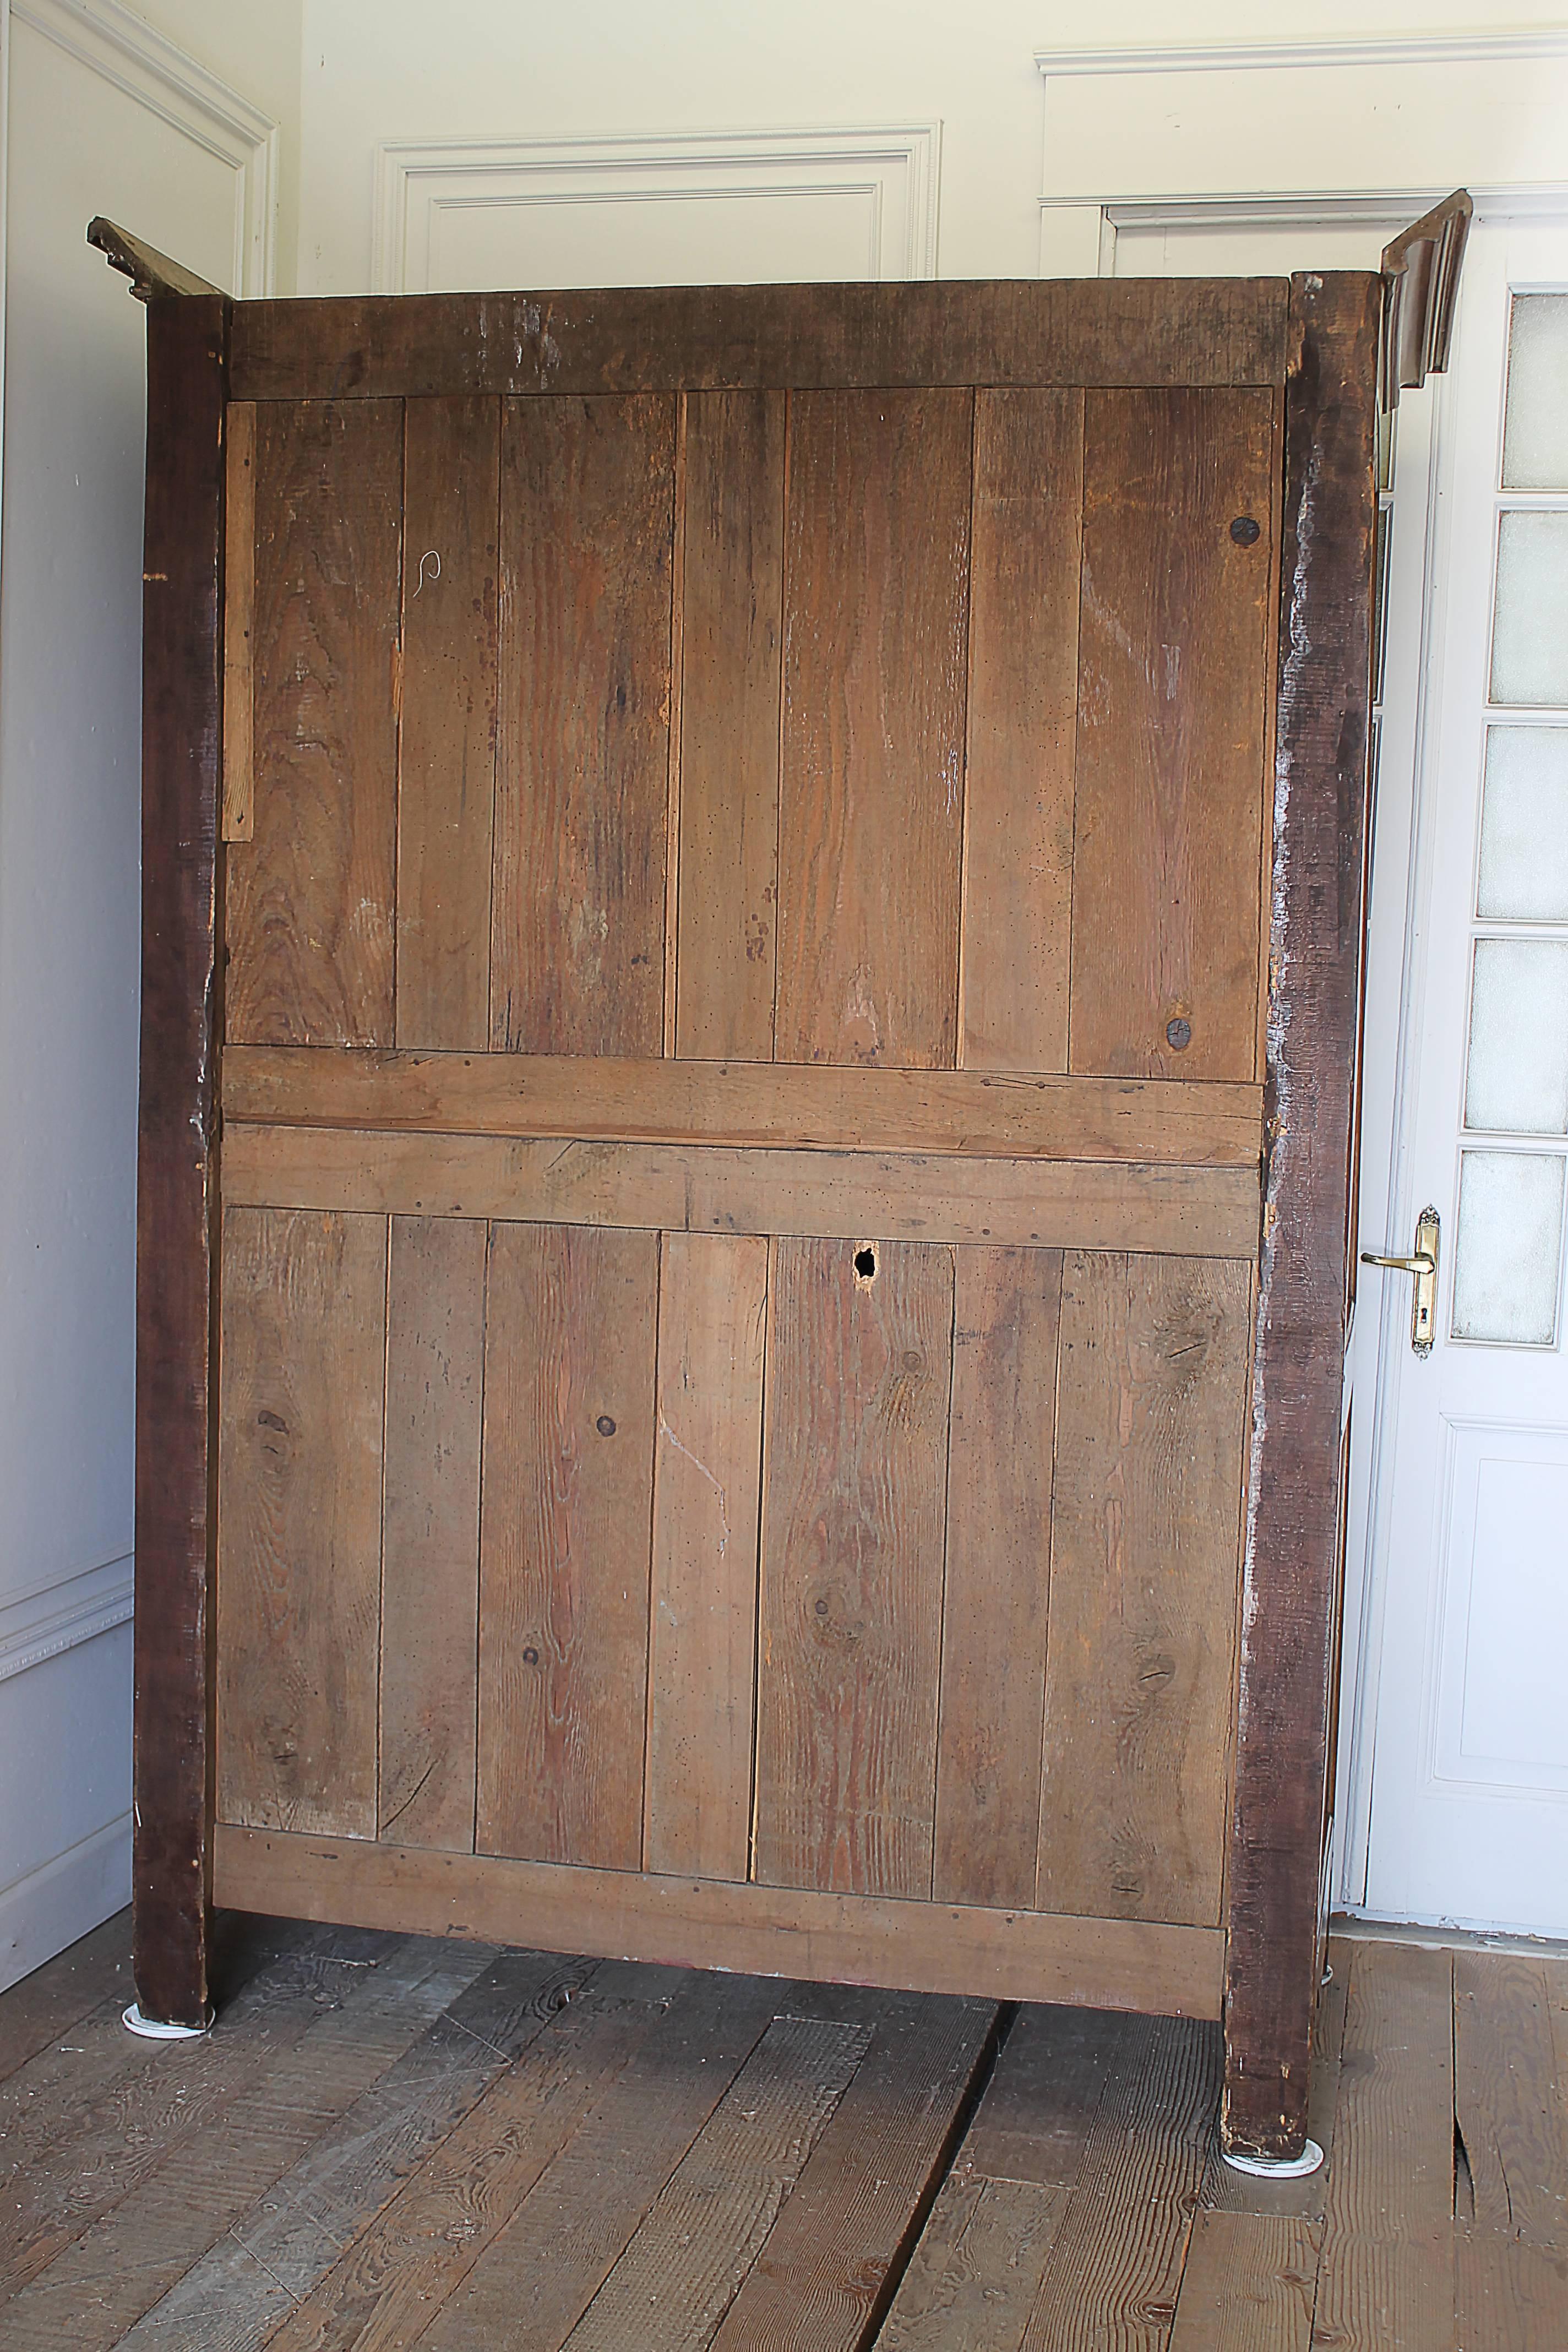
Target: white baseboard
62,1899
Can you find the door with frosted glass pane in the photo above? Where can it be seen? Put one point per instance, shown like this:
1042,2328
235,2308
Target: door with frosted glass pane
1469,1800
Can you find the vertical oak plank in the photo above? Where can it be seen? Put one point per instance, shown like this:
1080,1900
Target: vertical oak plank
583,767
1247,2284
1022,723
871,793
860,1379
733,600
1007,1307
430,1576
310,898
176,1165
238,612
1172,700
565,1537
1150,1406
300,1471
712,1308
447,742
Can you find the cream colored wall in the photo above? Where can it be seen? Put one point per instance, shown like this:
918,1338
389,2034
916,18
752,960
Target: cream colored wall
257,47
377,69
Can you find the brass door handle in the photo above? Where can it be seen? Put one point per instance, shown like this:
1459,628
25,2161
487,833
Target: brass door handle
1422,1263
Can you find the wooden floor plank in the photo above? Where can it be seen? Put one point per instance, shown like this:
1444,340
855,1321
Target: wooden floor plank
977,2269
120,2140
385,2289
235,2299
1034,2121
683,2269
1386,2277
554,2254
1247,2284
826,2275
1117,2261
130,2258
43,2006
1509,2297
1506,2097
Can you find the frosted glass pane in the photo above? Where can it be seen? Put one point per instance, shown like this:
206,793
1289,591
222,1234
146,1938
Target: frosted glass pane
1516,1080
1529,626
1524,826
1535,432
1507,1248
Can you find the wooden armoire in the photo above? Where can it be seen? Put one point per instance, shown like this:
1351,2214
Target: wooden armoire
753,911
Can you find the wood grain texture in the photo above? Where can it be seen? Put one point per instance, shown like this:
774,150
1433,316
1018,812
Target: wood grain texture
1386,2278
583,772
47,2001
447,733
187,342
713,2216
1510,2108
853,1506
1116,2265
1022,724
238,612
1150,1409
732,605
310,899
1153,1120
299,1479
570,1340
977,2268
240,2296
1172,771
1508,2297
1060,1205
1290,1561
1247,2285
1070,332
871,761
843,1938
430,1539
996,1589
1039,2107
712,1311
199,2183
832,2263
420,2248
563,2244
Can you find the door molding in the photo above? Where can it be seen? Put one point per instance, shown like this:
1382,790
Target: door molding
894,167
122,48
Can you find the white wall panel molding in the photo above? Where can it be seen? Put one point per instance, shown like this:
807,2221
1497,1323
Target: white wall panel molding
1465,47
52,1905
51,1618
124,49
891,170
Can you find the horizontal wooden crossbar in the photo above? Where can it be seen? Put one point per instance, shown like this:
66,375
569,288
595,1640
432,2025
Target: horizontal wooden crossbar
703,1923
646,339
685,1188
987,1113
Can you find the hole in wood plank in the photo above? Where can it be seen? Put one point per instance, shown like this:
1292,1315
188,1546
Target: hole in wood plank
865,1264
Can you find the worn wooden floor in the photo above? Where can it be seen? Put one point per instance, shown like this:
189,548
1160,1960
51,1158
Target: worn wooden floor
394,2142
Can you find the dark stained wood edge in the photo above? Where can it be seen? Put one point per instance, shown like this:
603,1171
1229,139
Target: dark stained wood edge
905,1944
1291,1558
150,272
668,337
187,338
1421,290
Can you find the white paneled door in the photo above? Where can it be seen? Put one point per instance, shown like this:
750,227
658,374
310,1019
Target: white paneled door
1470,1762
